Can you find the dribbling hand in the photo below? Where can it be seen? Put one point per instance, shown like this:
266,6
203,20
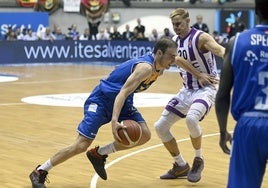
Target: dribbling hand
115,127
224,138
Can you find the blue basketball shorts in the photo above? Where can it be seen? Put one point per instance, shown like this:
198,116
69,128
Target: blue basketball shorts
98,110
249,152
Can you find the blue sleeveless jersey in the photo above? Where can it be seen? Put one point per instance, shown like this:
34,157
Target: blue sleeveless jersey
250,68
111,86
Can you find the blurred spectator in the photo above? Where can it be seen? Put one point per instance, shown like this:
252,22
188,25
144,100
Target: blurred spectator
8,32
73,34
200,24
47,35
86,35
127,34
102,35
17,32
167,33
115,35
135,34
140,27
94,11
58,34
236,27
154,35
141,37
218,38
94,28
22,34
30,36
11,36
108,30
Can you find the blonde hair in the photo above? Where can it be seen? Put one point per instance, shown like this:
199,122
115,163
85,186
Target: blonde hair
179,12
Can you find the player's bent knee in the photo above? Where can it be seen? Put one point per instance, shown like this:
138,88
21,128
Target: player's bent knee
193,127
162,129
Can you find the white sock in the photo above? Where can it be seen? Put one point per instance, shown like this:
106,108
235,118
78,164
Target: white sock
198,153
179,160
106,150
46,166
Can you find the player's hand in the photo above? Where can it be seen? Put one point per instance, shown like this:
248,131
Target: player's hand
206,79
224,138
115,127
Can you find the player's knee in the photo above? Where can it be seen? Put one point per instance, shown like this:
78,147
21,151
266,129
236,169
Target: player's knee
159,126
162,128
192,124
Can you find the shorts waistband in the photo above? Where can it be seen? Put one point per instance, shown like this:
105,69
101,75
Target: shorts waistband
255,114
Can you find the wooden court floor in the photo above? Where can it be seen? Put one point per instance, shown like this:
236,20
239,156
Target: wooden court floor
31,133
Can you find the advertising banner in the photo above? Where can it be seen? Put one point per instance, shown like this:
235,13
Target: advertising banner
225,18
71,5
34,20
26,3
16,52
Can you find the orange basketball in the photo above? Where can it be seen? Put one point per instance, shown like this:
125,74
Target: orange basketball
131,134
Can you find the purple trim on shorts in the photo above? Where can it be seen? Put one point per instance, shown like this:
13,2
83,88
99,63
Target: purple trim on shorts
175,111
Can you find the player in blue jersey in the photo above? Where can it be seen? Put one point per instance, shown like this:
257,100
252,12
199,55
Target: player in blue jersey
112,101
192,102
245,74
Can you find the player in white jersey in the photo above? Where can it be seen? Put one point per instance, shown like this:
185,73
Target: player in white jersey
192,102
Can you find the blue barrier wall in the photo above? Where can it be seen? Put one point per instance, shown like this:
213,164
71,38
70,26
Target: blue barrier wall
30,52
16,52
34,20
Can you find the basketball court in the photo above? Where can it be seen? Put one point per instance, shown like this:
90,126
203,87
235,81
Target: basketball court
41,107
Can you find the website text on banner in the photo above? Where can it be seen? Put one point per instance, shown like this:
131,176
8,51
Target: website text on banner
71,51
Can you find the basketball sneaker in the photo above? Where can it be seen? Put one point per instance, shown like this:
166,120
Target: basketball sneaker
38,178
176,172
98,162
194,174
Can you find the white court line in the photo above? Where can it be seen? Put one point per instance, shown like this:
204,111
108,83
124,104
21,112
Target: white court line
93,183
12,104
55,81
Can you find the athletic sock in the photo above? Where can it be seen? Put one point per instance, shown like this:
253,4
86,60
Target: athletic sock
179,160
46,166
198,153
106,150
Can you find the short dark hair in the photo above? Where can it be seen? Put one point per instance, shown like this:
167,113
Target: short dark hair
261,8
163,44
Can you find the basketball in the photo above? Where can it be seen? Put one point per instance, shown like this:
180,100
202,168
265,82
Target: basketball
131,134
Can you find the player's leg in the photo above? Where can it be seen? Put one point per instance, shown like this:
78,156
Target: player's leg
162,127
249,153
98,155
200,107
98,114
38,176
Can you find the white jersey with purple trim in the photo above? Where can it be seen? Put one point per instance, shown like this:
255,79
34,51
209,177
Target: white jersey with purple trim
202,61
